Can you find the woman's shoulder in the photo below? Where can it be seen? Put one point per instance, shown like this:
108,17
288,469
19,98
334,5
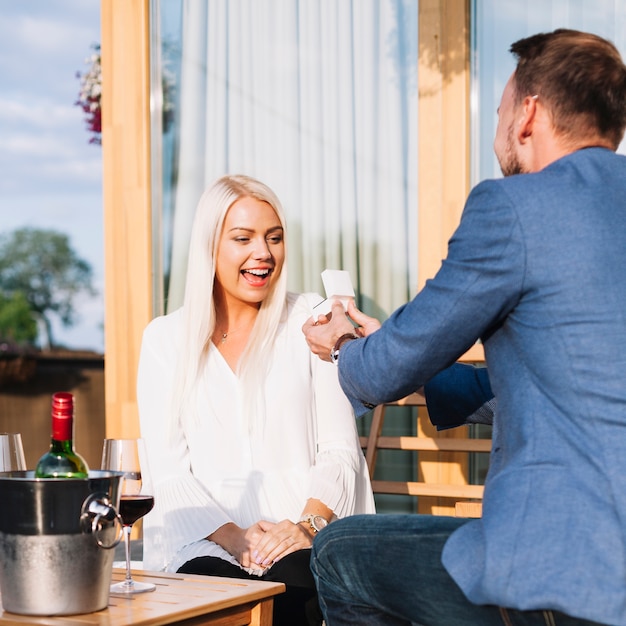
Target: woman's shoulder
163,326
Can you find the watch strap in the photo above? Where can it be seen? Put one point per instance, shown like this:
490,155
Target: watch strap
334,353
310,520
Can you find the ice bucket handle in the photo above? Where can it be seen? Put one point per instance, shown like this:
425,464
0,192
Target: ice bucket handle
97,514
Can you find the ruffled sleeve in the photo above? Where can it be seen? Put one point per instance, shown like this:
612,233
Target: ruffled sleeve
339,477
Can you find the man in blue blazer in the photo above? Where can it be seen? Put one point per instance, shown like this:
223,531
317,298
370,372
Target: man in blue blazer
537,271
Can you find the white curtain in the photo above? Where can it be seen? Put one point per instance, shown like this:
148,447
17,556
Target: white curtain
317,98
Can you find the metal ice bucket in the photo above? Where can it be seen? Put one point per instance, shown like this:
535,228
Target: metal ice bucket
56,536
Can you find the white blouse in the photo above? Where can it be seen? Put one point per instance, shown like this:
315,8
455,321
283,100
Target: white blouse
223,467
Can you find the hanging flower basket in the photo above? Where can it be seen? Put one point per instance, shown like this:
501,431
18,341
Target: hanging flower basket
90,93
89,96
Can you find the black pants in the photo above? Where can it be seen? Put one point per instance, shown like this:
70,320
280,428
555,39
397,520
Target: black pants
298,606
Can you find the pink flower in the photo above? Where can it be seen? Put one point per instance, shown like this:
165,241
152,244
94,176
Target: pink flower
89,95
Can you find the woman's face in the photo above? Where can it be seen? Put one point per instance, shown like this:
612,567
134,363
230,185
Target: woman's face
251,251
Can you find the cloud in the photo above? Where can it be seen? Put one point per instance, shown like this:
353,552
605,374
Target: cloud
52,27
44,143
44,44
43,113
44,161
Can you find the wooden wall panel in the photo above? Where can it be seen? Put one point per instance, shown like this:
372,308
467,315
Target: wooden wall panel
444,133
444,173
443,82
127,213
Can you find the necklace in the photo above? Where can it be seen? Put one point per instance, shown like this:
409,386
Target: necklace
225,334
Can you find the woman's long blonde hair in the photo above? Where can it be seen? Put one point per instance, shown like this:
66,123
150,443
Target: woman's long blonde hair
199,313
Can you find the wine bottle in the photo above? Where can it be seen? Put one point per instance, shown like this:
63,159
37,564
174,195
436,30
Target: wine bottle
61,461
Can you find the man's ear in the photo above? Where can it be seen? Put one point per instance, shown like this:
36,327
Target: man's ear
529,111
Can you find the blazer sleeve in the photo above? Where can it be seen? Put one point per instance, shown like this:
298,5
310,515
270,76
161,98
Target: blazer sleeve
479,282
460,394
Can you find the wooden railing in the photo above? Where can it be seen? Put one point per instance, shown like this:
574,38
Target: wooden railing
456,488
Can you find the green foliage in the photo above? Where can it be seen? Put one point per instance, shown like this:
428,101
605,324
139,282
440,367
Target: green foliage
17,324
42,266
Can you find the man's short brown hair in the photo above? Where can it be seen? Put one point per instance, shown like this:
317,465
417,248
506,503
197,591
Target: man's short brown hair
581,77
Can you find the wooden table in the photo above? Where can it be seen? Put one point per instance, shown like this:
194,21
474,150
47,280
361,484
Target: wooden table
182,599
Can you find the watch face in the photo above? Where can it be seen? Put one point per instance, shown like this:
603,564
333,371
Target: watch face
318,522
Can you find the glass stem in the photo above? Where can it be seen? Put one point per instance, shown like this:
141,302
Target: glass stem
127,530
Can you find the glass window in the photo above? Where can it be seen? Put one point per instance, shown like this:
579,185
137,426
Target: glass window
318,100
496,24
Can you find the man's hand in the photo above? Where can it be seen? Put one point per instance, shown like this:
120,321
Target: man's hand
366,325
322,333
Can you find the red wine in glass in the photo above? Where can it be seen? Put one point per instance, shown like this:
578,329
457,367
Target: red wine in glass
136,498
134,507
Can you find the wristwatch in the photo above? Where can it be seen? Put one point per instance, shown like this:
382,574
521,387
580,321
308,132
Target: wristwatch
316,522
334,353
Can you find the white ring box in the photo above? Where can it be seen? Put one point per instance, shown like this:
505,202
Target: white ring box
338,286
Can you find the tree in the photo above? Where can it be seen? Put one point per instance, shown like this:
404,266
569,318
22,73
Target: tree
17,323
43,267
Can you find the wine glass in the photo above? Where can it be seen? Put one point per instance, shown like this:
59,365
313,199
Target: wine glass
129,456
11,453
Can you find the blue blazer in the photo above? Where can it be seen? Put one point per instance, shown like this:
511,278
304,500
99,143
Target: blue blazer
537,270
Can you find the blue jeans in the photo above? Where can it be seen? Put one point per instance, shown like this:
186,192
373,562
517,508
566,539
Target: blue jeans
386,570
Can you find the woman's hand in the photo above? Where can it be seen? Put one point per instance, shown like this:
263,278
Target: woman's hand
279,540
239,542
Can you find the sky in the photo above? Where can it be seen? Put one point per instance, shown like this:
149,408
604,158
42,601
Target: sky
51,176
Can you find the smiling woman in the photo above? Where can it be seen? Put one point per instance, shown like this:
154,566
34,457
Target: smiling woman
251,436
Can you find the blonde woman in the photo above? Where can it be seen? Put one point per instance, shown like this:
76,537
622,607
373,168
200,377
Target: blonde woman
252,444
